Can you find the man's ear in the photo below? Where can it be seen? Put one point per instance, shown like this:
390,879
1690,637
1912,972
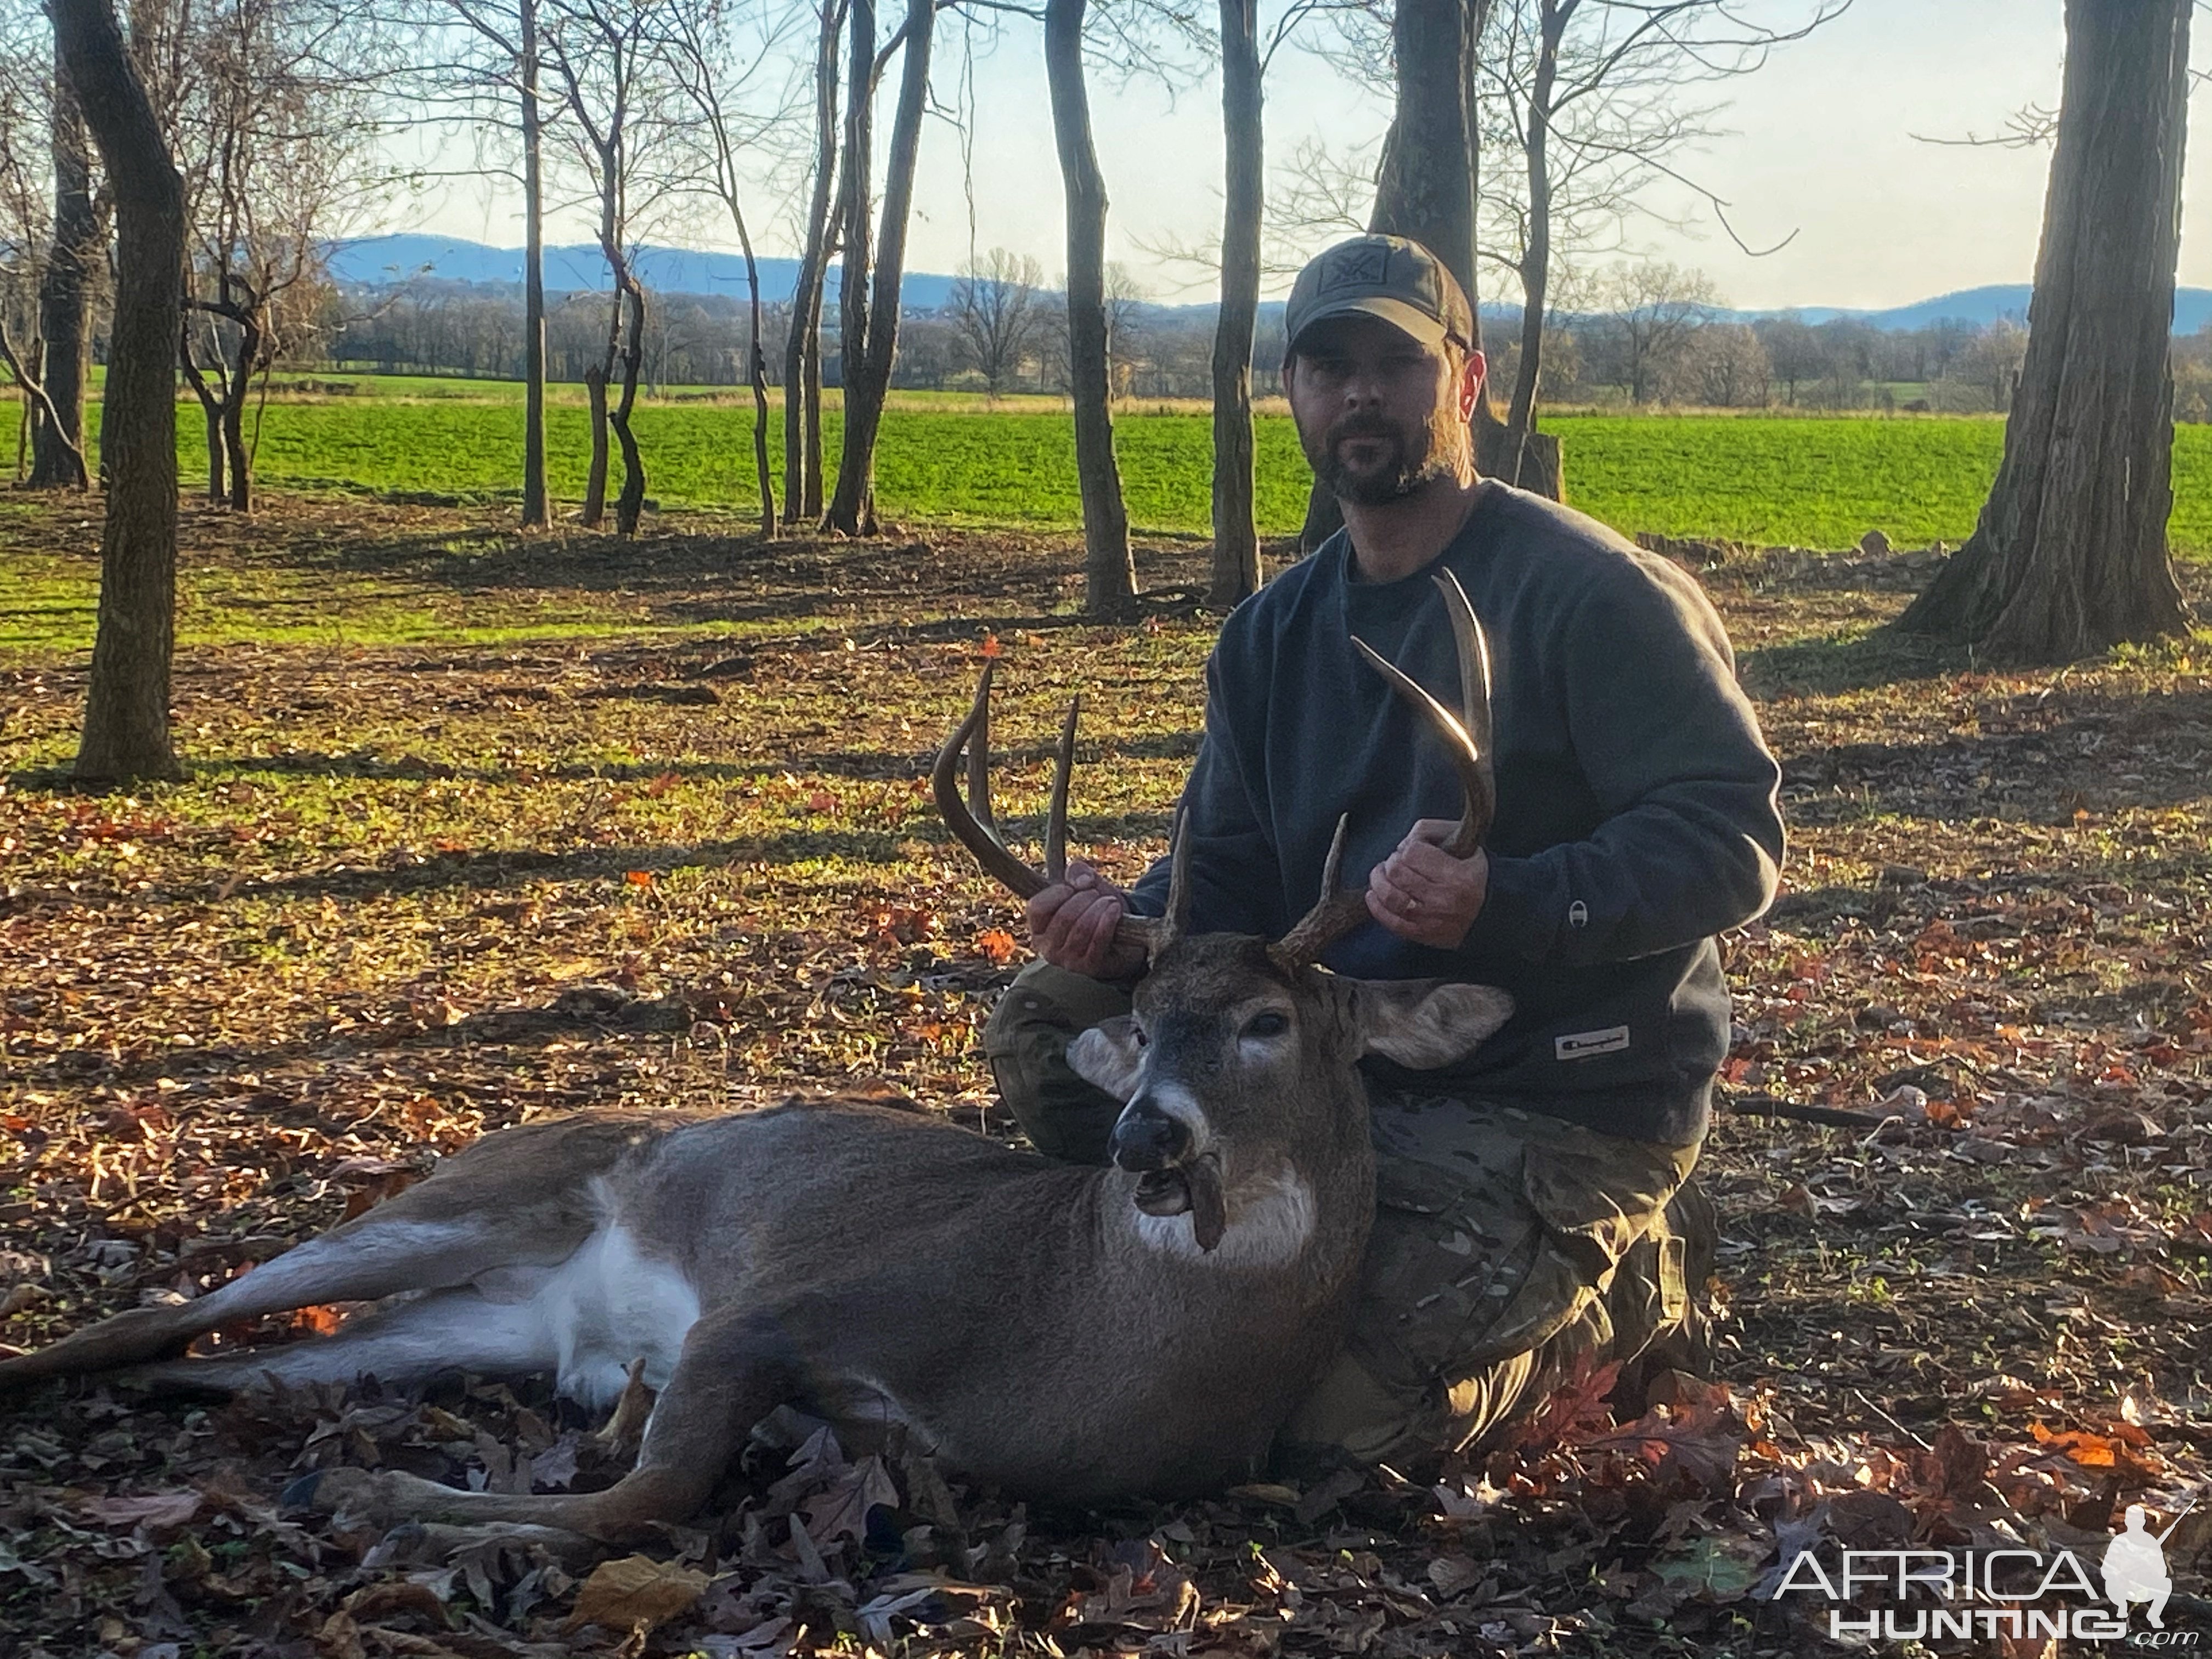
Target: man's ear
1423,1024
1110,1056
1470,384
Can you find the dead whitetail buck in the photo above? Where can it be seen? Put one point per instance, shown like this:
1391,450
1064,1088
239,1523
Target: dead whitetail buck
1054,1330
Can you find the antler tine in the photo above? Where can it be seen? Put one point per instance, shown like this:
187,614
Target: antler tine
1177,919
1468,740
969,816
1474,647
1467,759
979,757
973,829
1336,913
1055,818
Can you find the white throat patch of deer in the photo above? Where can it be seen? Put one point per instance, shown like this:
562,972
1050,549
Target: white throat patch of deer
1053,1330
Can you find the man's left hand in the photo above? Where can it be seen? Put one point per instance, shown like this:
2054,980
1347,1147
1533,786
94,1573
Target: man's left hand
1425,896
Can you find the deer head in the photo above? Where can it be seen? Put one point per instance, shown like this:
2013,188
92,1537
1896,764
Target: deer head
1238,1064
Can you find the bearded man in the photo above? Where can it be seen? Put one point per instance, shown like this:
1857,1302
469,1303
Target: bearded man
1534,1214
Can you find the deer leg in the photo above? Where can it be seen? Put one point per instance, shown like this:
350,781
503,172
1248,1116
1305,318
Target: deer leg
379,1255
736,1367
455,1330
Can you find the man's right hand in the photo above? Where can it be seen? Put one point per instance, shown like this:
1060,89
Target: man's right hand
1072,923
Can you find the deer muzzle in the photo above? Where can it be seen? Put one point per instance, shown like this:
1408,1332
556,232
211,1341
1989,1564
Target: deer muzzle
1173,1177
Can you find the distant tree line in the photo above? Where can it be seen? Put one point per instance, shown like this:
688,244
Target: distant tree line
1651,335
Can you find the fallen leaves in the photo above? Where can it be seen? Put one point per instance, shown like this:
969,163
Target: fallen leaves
635,1595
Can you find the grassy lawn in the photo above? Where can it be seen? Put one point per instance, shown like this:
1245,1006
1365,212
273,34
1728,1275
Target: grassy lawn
482,828
1802,481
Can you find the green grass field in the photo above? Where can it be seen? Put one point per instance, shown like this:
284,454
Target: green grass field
1801,480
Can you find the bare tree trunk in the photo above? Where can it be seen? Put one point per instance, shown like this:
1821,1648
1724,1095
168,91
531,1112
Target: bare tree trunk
594,511
126,711
64,306
211,413
630,504
1536,259
536,508
812,508
757,356
2071,554
595,391
866,383
856,235
1109,572
1235,572
802,461
238,384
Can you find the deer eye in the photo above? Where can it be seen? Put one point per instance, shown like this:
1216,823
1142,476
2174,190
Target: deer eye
1270,1024
1137,1032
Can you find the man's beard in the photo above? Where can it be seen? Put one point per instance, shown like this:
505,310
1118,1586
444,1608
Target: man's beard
1439,450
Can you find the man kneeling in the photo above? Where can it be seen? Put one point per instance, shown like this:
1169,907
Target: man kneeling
1534,1207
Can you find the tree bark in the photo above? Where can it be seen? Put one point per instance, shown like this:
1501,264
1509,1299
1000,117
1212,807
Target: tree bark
237,385
126,712
64,306
854,508
211,403
1109,572
855,234
536,507
596,377
629,505
1235,570
802,351
757,369
2069,556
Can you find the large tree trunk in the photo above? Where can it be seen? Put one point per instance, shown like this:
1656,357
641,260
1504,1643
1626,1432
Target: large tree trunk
1235,572
629,505
854,509
536,507
126,711
802,350
2070,553
1109,574
64,306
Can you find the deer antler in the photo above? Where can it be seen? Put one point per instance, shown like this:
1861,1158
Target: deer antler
1467,735
972,825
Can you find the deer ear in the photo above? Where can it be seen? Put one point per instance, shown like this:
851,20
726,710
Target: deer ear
1423,1024
1109,1055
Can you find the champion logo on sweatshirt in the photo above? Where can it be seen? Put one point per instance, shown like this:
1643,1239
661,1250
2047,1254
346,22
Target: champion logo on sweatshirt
1581,1045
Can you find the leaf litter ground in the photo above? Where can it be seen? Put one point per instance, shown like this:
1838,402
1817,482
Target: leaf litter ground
482,829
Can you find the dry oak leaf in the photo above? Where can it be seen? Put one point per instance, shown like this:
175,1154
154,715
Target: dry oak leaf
843,1510
636,1592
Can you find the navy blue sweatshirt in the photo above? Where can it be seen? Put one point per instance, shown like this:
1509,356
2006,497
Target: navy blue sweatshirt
1636,812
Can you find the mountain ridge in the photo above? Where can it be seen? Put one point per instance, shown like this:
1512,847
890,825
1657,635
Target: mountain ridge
395,260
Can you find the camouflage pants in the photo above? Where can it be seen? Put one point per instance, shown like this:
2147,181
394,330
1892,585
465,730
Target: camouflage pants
1508,1246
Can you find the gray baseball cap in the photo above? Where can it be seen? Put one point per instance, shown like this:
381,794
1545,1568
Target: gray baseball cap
1388,277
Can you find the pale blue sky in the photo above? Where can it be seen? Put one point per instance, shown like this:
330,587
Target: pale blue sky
1821,142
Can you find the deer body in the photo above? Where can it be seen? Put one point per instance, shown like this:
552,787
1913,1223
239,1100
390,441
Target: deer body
1058,1331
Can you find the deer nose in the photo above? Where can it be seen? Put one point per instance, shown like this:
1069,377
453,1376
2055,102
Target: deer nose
1146,1138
